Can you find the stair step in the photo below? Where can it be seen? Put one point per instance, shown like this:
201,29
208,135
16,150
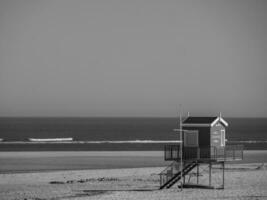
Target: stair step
176,177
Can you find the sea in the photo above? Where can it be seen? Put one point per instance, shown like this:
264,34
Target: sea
130,134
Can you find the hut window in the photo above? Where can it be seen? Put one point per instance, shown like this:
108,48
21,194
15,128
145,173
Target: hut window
191,139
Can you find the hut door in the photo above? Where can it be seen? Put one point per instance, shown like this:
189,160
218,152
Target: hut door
222,138
191,138
218,138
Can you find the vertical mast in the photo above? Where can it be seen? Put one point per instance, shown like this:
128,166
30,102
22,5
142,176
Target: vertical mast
181,145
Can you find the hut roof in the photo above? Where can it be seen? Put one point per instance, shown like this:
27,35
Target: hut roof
203,121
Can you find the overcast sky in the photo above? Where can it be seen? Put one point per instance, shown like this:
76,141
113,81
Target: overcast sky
133,57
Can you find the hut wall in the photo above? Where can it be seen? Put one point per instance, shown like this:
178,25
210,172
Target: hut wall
203,135
215,135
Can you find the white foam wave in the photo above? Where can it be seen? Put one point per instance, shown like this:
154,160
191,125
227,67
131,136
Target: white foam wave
130,141
248,141
50,139
124,142
96,142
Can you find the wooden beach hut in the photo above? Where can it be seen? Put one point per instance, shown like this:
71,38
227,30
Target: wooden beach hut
203,142
204,131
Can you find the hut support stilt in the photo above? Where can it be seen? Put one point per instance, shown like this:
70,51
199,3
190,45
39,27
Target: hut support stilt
223,175
197,173
210,174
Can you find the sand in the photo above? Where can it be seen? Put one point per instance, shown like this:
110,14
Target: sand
120,175
242,181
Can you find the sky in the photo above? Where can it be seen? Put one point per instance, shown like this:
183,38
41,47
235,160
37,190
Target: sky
118,58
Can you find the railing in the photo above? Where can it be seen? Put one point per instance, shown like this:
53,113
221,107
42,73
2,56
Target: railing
172,152
227,153
230,153
169,172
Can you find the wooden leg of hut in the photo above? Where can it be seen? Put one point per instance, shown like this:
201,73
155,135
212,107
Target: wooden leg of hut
223,175
197,172
210,174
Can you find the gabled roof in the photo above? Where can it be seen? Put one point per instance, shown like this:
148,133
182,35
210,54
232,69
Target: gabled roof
199,120
203,121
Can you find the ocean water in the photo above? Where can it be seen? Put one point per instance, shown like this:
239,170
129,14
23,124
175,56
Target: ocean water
88,133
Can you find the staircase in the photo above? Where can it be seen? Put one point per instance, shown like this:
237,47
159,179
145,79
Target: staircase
172,174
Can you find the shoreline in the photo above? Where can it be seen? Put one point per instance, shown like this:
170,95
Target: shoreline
102,153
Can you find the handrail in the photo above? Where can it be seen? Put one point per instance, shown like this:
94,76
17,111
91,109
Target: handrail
173,173
169,172
173,168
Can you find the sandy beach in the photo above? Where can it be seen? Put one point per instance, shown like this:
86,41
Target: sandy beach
242,181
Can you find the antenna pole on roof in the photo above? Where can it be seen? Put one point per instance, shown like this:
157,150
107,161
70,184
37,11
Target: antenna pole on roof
181,144
220,115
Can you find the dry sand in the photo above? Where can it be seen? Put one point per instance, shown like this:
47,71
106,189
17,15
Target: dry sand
242,181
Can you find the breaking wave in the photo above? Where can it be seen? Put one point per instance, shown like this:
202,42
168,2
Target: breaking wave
98,142
248,141
59,141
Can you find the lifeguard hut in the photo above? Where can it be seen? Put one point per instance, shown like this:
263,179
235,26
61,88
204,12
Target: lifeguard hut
203,143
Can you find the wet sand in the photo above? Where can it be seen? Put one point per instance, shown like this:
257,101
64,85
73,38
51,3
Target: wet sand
14,162
17,162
